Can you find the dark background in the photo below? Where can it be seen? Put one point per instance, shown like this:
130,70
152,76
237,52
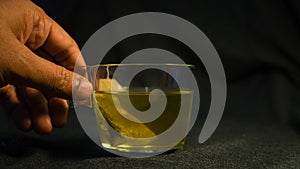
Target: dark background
259,45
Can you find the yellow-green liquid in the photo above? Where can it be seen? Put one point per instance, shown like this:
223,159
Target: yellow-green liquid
105,104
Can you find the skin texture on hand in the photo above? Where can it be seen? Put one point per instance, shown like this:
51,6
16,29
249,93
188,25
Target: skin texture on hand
36,61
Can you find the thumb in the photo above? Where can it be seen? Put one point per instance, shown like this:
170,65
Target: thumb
24,67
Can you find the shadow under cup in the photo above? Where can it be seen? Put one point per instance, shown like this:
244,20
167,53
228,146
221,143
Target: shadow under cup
137,105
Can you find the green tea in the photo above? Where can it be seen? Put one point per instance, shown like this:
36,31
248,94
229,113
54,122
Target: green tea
105,102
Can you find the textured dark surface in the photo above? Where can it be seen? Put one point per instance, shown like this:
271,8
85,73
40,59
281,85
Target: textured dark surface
238,143
247,137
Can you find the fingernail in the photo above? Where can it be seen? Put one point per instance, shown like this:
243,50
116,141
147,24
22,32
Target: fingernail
86,103
83,89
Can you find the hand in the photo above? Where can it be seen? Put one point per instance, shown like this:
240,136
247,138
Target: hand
36,61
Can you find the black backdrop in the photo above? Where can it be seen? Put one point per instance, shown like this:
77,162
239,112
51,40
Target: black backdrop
258,42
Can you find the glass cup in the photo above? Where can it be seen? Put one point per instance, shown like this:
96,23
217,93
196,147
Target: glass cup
137,106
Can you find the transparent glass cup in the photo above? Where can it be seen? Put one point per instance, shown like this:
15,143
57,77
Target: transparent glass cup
136,106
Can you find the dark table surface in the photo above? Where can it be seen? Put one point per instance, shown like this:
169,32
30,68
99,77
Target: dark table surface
239,142
248,136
